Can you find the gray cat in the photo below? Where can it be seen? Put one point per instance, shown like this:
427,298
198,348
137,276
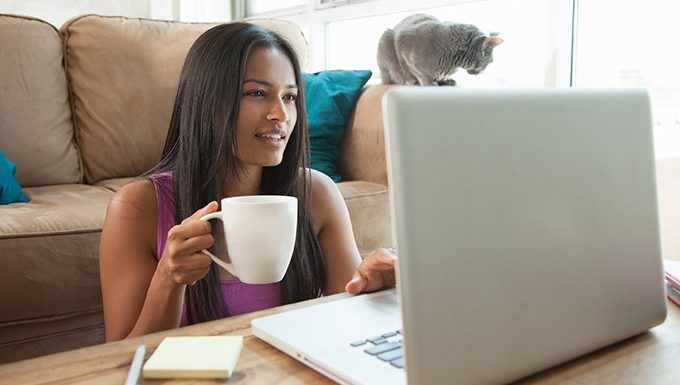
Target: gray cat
422,50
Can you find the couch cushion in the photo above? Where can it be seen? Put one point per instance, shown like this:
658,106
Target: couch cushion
362,154
114,184
369,208
59,209
49,281
37,337
49,294
124,74
36,132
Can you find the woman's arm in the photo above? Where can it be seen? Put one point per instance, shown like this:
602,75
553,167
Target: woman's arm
141,295
332,224
345,271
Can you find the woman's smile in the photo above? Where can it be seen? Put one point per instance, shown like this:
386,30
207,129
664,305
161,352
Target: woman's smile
275,138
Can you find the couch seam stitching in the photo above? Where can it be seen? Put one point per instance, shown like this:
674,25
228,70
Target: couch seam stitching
65,35
364,195
59,317
51,335
47,234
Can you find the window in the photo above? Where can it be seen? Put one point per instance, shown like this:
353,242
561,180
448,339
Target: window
255,7
535,52
528,57
634,49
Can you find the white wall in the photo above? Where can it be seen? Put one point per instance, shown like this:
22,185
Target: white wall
205,10
57,12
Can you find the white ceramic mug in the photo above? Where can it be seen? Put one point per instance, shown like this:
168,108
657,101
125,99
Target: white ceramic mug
259,231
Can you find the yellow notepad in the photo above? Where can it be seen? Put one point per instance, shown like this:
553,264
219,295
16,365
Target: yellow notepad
194,357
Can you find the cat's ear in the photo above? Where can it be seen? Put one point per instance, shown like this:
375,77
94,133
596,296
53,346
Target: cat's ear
492,41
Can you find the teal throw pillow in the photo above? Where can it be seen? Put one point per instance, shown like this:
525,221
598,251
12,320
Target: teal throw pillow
329,98
10,190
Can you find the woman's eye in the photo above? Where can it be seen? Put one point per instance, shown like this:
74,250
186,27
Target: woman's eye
255,93
290,97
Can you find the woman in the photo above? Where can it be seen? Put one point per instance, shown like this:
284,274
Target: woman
238,128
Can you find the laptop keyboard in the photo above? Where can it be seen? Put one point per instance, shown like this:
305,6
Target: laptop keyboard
388,347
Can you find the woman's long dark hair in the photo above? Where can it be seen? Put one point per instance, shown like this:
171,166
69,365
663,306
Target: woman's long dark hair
199,151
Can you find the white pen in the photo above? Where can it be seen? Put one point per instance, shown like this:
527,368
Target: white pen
136,365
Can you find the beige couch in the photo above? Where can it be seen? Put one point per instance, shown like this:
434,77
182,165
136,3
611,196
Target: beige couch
82,111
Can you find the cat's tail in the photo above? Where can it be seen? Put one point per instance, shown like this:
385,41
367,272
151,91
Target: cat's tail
387,57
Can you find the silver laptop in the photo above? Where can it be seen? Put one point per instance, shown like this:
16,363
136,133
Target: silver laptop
527,231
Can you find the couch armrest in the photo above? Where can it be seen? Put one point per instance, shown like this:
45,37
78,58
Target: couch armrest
362,154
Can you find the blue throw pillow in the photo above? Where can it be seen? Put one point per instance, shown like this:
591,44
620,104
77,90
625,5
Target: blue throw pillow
329,98
10,190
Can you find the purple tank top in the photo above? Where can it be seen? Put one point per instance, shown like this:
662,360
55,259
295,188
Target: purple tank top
239,297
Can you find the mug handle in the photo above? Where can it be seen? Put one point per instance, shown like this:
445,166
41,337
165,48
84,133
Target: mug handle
225,265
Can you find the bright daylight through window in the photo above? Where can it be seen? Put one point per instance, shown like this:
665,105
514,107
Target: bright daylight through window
555,47
633,50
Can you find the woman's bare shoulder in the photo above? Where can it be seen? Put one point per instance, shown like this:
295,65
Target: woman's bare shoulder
320,182
136,199
324,198
131,216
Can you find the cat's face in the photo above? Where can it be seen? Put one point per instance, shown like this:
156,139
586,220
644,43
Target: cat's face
483,59
485,56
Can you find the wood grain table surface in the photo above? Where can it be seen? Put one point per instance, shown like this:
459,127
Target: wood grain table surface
650,358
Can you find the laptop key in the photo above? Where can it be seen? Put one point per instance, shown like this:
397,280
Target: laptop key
358,343
374,338
378,349
392,354
398,363
390,334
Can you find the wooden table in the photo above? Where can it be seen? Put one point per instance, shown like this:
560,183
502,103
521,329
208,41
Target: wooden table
650,358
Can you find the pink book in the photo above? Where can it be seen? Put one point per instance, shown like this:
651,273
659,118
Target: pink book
672,270
672,273
673,281
673,294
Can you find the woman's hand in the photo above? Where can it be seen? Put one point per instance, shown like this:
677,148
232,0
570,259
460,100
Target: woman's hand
375,272
182,261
